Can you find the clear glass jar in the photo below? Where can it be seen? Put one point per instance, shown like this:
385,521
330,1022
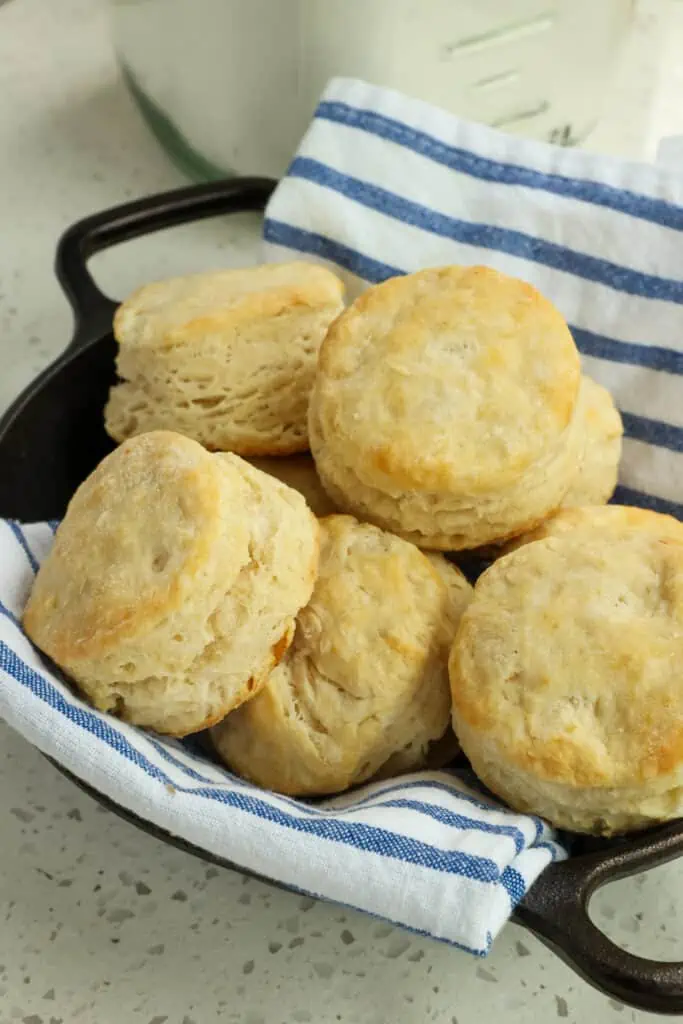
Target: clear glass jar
230,85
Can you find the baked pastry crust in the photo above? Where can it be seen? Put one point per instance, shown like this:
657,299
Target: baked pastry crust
226,358
565,671
602,431
366,677
444,407
596,477
173,582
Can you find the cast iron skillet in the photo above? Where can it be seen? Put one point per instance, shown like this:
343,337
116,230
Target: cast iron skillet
52,437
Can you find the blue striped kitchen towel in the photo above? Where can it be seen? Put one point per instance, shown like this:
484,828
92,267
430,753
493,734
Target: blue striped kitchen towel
383,184
425,851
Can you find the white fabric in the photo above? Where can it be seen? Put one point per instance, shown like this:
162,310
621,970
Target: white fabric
383,184
426,851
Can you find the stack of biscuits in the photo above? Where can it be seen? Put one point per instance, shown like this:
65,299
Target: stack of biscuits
449,407
264,553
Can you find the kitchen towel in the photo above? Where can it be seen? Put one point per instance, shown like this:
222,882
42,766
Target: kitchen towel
425,851
383,184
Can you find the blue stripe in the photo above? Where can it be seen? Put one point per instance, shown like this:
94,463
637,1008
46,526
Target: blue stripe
653,357
628,496
656,211
552,848
458,821
373,272
378,798
163,751
230,779
514,884
401,787
19,534
663,435
367,269
473,950
441,814
10,615
359,836
487,236
53,524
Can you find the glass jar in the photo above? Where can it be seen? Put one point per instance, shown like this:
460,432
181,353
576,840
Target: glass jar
230,85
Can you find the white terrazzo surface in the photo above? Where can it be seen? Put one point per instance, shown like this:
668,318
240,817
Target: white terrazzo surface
99,922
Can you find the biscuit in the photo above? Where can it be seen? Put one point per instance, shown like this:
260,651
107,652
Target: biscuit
299,472
565,672
459,590
598,470
226,358
444,750
444,408
173,583
593,516
366,677
602,431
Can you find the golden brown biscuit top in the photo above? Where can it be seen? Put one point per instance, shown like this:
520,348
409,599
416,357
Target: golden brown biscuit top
376,610
365,679
612,519
602,422
178,309
569,655
448,379
602,432
138,537
457,585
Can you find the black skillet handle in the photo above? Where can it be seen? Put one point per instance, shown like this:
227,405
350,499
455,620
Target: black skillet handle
93,309
556,910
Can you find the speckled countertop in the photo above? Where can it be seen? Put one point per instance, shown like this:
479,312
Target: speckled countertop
99,922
